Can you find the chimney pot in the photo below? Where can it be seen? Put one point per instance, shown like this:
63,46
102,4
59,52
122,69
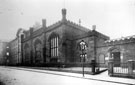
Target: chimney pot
64,11
93,27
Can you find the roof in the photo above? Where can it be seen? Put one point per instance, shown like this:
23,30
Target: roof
77,26
122,38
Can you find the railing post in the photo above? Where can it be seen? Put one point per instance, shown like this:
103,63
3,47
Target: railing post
110,67
130,67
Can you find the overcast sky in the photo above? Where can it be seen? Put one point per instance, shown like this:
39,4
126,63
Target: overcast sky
114,18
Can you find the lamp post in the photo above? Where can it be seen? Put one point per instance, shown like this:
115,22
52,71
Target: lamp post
83,47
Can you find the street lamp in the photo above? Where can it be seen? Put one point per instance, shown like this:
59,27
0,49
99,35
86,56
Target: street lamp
83,48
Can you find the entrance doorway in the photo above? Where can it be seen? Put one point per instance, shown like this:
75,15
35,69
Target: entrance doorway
116,58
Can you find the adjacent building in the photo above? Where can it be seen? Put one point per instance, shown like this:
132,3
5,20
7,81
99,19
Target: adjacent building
15,51
3,52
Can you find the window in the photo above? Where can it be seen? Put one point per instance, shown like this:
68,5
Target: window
26,53
101,58
38,49
54,46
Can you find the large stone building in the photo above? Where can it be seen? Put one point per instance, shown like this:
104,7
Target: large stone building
61,41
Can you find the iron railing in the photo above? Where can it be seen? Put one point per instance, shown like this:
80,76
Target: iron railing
126,69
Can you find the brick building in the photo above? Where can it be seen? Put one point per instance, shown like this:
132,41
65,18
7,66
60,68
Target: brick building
61,41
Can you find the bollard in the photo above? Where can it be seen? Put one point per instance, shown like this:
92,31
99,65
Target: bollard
93,63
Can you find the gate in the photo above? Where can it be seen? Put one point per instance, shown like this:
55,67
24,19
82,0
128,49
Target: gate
123,70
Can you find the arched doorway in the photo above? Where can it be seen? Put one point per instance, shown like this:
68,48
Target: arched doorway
115,55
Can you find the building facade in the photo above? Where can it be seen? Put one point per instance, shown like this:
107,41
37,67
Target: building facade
61,42
3,57
15,51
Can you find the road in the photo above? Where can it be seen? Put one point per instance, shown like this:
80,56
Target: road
14,76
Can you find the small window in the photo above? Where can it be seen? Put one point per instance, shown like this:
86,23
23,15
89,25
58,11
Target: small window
101,58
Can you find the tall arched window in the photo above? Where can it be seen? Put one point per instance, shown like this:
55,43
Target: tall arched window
26,53
38,49
54,46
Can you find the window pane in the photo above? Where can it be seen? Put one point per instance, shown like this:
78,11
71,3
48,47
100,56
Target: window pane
52,52
55,46
51,43
57,41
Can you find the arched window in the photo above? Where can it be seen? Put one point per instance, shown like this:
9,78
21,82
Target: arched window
54,46
26,53
37,45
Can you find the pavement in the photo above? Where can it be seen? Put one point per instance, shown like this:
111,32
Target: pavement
99,77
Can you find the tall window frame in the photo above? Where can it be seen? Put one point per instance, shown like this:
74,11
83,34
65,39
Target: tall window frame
54,46
38,50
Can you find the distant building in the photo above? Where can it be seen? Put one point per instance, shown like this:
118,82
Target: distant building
3,57
16,49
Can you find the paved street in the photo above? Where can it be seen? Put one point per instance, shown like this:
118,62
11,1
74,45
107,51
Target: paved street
23,76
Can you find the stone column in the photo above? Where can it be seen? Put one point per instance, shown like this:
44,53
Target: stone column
110,67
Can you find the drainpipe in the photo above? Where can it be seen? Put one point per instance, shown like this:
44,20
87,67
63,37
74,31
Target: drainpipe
94,35
95,50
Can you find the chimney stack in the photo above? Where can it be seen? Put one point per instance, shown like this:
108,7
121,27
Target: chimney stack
44,23
64,14
94,27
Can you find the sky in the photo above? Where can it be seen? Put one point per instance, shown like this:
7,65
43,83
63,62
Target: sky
114,18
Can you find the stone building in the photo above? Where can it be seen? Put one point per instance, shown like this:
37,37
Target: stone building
61,42
15,46
3,57
120,50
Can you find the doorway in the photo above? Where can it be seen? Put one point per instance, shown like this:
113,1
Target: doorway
116,58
